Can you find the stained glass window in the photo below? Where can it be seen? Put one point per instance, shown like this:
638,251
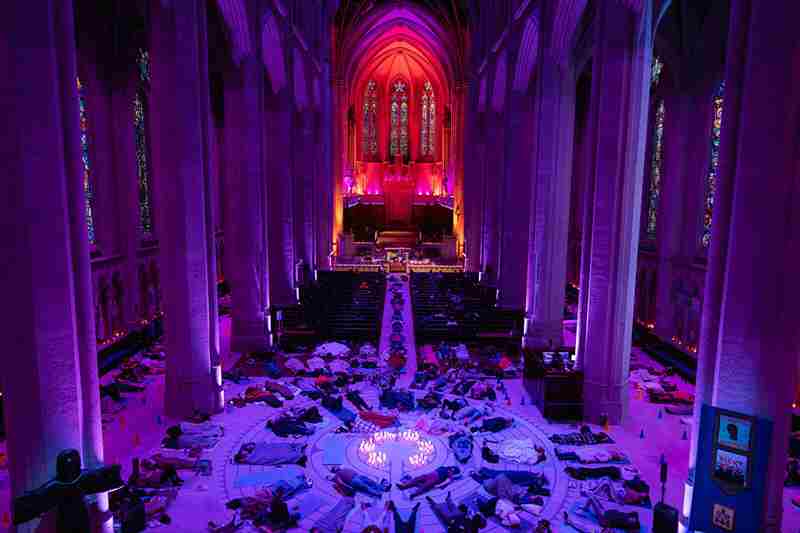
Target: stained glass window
398,136
142,165
369,142
713,164
654,189
428,128
655,73
88,190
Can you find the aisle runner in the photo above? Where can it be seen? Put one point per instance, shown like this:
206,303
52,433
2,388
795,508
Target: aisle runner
397,326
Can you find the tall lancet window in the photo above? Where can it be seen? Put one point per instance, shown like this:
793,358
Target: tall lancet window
654,189
88,190
655,72
398,136
427,139
713,164
142,149
369,141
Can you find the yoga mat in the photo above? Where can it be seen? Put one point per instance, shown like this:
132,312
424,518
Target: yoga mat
267,477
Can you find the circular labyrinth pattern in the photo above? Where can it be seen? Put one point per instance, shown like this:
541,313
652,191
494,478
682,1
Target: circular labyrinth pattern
246,480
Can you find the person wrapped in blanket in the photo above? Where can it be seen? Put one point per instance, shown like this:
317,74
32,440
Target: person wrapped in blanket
493,425
427,482
292,424
592,456
271,454
193,436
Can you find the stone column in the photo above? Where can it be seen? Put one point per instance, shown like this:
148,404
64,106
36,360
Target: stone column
473,181
280,210
323,180
51,397
339,125
493,177
92,428
244,232
456,159
549,215
750,335
620,91
304,153
180,170
515,204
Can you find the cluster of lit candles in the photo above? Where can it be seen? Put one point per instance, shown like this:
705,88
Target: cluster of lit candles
370,452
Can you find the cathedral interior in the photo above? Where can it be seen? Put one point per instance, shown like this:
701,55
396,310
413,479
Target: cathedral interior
410,266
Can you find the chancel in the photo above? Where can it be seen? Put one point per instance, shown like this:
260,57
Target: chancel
400,266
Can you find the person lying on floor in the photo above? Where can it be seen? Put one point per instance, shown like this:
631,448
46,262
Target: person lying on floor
334,405
677,397
381,420
309,415
250,507
592,456
289,426
256,394
347,482
456,518
534,481
154,479
451,407
432,400
632,492
584,437
612,472
391,398
184,437
278,388
471,414
162,462
427,482
355,398
277,517
482,391
611,518
463,387
502,487
271,454
504,510
493,425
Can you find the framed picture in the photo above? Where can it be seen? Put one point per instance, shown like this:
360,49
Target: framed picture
731,469
734,431
723,517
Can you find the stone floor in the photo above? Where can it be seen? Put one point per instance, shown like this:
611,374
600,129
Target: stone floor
644,436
